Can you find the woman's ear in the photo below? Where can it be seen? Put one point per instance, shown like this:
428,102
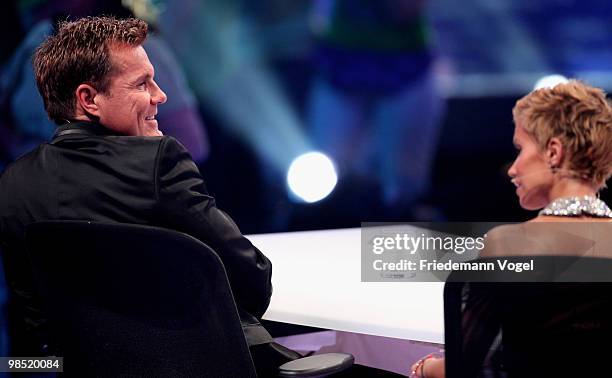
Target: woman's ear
555,152
86,95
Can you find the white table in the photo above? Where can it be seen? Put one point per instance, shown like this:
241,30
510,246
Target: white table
317,282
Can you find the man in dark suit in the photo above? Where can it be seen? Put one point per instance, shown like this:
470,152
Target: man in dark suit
109,162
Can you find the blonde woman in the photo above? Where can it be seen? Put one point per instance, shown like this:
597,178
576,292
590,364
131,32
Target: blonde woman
564,140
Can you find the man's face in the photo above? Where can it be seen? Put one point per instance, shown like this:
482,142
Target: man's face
130,104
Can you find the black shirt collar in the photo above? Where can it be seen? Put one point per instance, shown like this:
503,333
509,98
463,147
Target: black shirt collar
82,127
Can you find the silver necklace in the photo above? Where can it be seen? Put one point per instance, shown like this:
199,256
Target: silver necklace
576,206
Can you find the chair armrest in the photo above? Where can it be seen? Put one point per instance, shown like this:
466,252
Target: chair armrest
319,365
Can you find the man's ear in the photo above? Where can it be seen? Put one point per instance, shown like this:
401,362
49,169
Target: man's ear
86,100
555,152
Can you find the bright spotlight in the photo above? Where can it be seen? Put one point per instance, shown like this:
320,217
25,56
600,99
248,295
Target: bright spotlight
312,176
550,81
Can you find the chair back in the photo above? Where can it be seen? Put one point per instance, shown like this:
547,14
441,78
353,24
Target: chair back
134,300
556,322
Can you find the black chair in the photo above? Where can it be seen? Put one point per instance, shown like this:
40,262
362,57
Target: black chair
555,321
133,300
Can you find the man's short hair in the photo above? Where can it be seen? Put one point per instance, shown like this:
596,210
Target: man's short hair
581,117
80,53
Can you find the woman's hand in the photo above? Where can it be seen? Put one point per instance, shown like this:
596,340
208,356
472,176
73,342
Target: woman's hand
428,367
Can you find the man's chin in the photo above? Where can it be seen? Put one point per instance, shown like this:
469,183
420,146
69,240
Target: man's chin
152,132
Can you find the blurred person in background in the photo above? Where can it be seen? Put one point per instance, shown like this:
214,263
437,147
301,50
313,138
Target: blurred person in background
374,104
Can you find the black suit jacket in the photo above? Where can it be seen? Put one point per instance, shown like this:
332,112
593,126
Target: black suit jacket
88,173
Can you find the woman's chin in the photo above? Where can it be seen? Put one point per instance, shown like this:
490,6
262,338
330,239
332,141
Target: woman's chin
531,204
530,207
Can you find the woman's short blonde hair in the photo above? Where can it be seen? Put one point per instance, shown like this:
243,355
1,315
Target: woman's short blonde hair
581,117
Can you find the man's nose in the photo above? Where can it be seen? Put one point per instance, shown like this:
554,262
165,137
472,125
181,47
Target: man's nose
158,96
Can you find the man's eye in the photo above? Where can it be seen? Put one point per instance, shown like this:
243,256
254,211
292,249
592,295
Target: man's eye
142,85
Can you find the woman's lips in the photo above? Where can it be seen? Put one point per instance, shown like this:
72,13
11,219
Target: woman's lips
517,185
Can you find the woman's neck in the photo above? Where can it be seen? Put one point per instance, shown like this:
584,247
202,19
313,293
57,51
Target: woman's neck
570,187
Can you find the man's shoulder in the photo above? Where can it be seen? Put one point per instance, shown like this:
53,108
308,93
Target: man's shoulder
114,150
166,146
23,175
163,152
22,161
111,144
161,142
171,148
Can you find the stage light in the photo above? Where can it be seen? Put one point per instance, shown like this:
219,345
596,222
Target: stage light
550,81
312,176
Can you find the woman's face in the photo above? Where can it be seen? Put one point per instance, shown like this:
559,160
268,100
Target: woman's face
530,172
